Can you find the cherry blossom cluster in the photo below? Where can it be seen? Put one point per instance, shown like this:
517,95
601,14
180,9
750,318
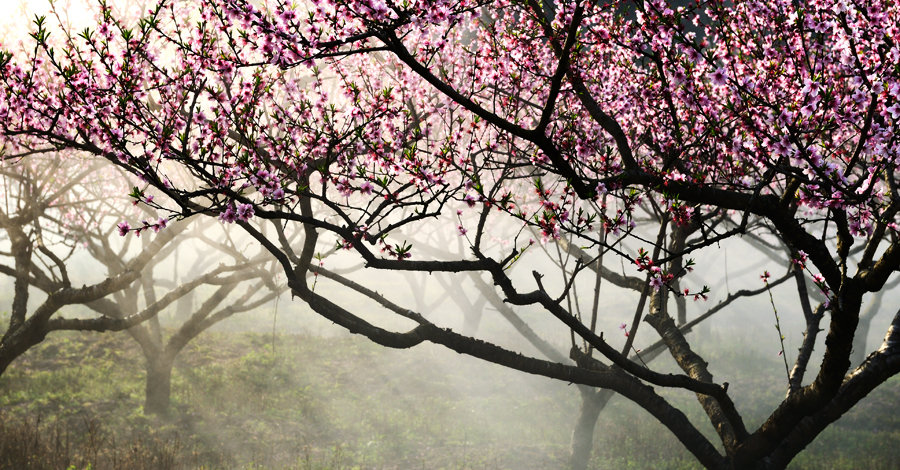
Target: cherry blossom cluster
379,109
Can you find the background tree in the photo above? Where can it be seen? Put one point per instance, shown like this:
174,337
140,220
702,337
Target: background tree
59,220
348,122
217,274
43,198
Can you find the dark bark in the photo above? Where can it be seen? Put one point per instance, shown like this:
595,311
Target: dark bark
812,398
615,380
806,349
16,344
22,249
879,366
722,415
802,414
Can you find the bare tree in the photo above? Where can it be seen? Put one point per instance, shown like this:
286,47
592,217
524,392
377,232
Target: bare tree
43,197
220,277
59,220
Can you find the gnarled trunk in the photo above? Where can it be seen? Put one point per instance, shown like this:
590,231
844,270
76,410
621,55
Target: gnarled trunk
592,403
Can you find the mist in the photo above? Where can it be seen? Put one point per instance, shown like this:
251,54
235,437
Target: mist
278,386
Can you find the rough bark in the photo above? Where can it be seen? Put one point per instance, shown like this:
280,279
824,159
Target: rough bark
722,415
18,343
812,398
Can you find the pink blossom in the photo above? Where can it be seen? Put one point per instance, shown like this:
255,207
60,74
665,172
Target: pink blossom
244,212
808,110
228,216
719,78
801,259
894,109
343,187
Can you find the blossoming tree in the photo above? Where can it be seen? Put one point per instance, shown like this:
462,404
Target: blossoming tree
348,122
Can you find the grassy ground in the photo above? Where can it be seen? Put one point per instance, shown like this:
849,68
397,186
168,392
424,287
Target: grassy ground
317,403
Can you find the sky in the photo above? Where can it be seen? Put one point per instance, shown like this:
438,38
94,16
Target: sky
17,15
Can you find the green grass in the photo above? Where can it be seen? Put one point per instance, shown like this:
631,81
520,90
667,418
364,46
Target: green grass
345,403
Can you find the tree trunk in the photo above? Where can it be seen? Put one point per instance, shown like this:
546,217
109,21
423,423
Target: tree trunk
471,321
16,343
592,403
159,386
860,350
5,361
681,305
860,340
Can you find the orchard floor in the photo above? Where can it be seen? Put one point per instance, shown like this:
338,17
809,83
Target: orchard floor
75,402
